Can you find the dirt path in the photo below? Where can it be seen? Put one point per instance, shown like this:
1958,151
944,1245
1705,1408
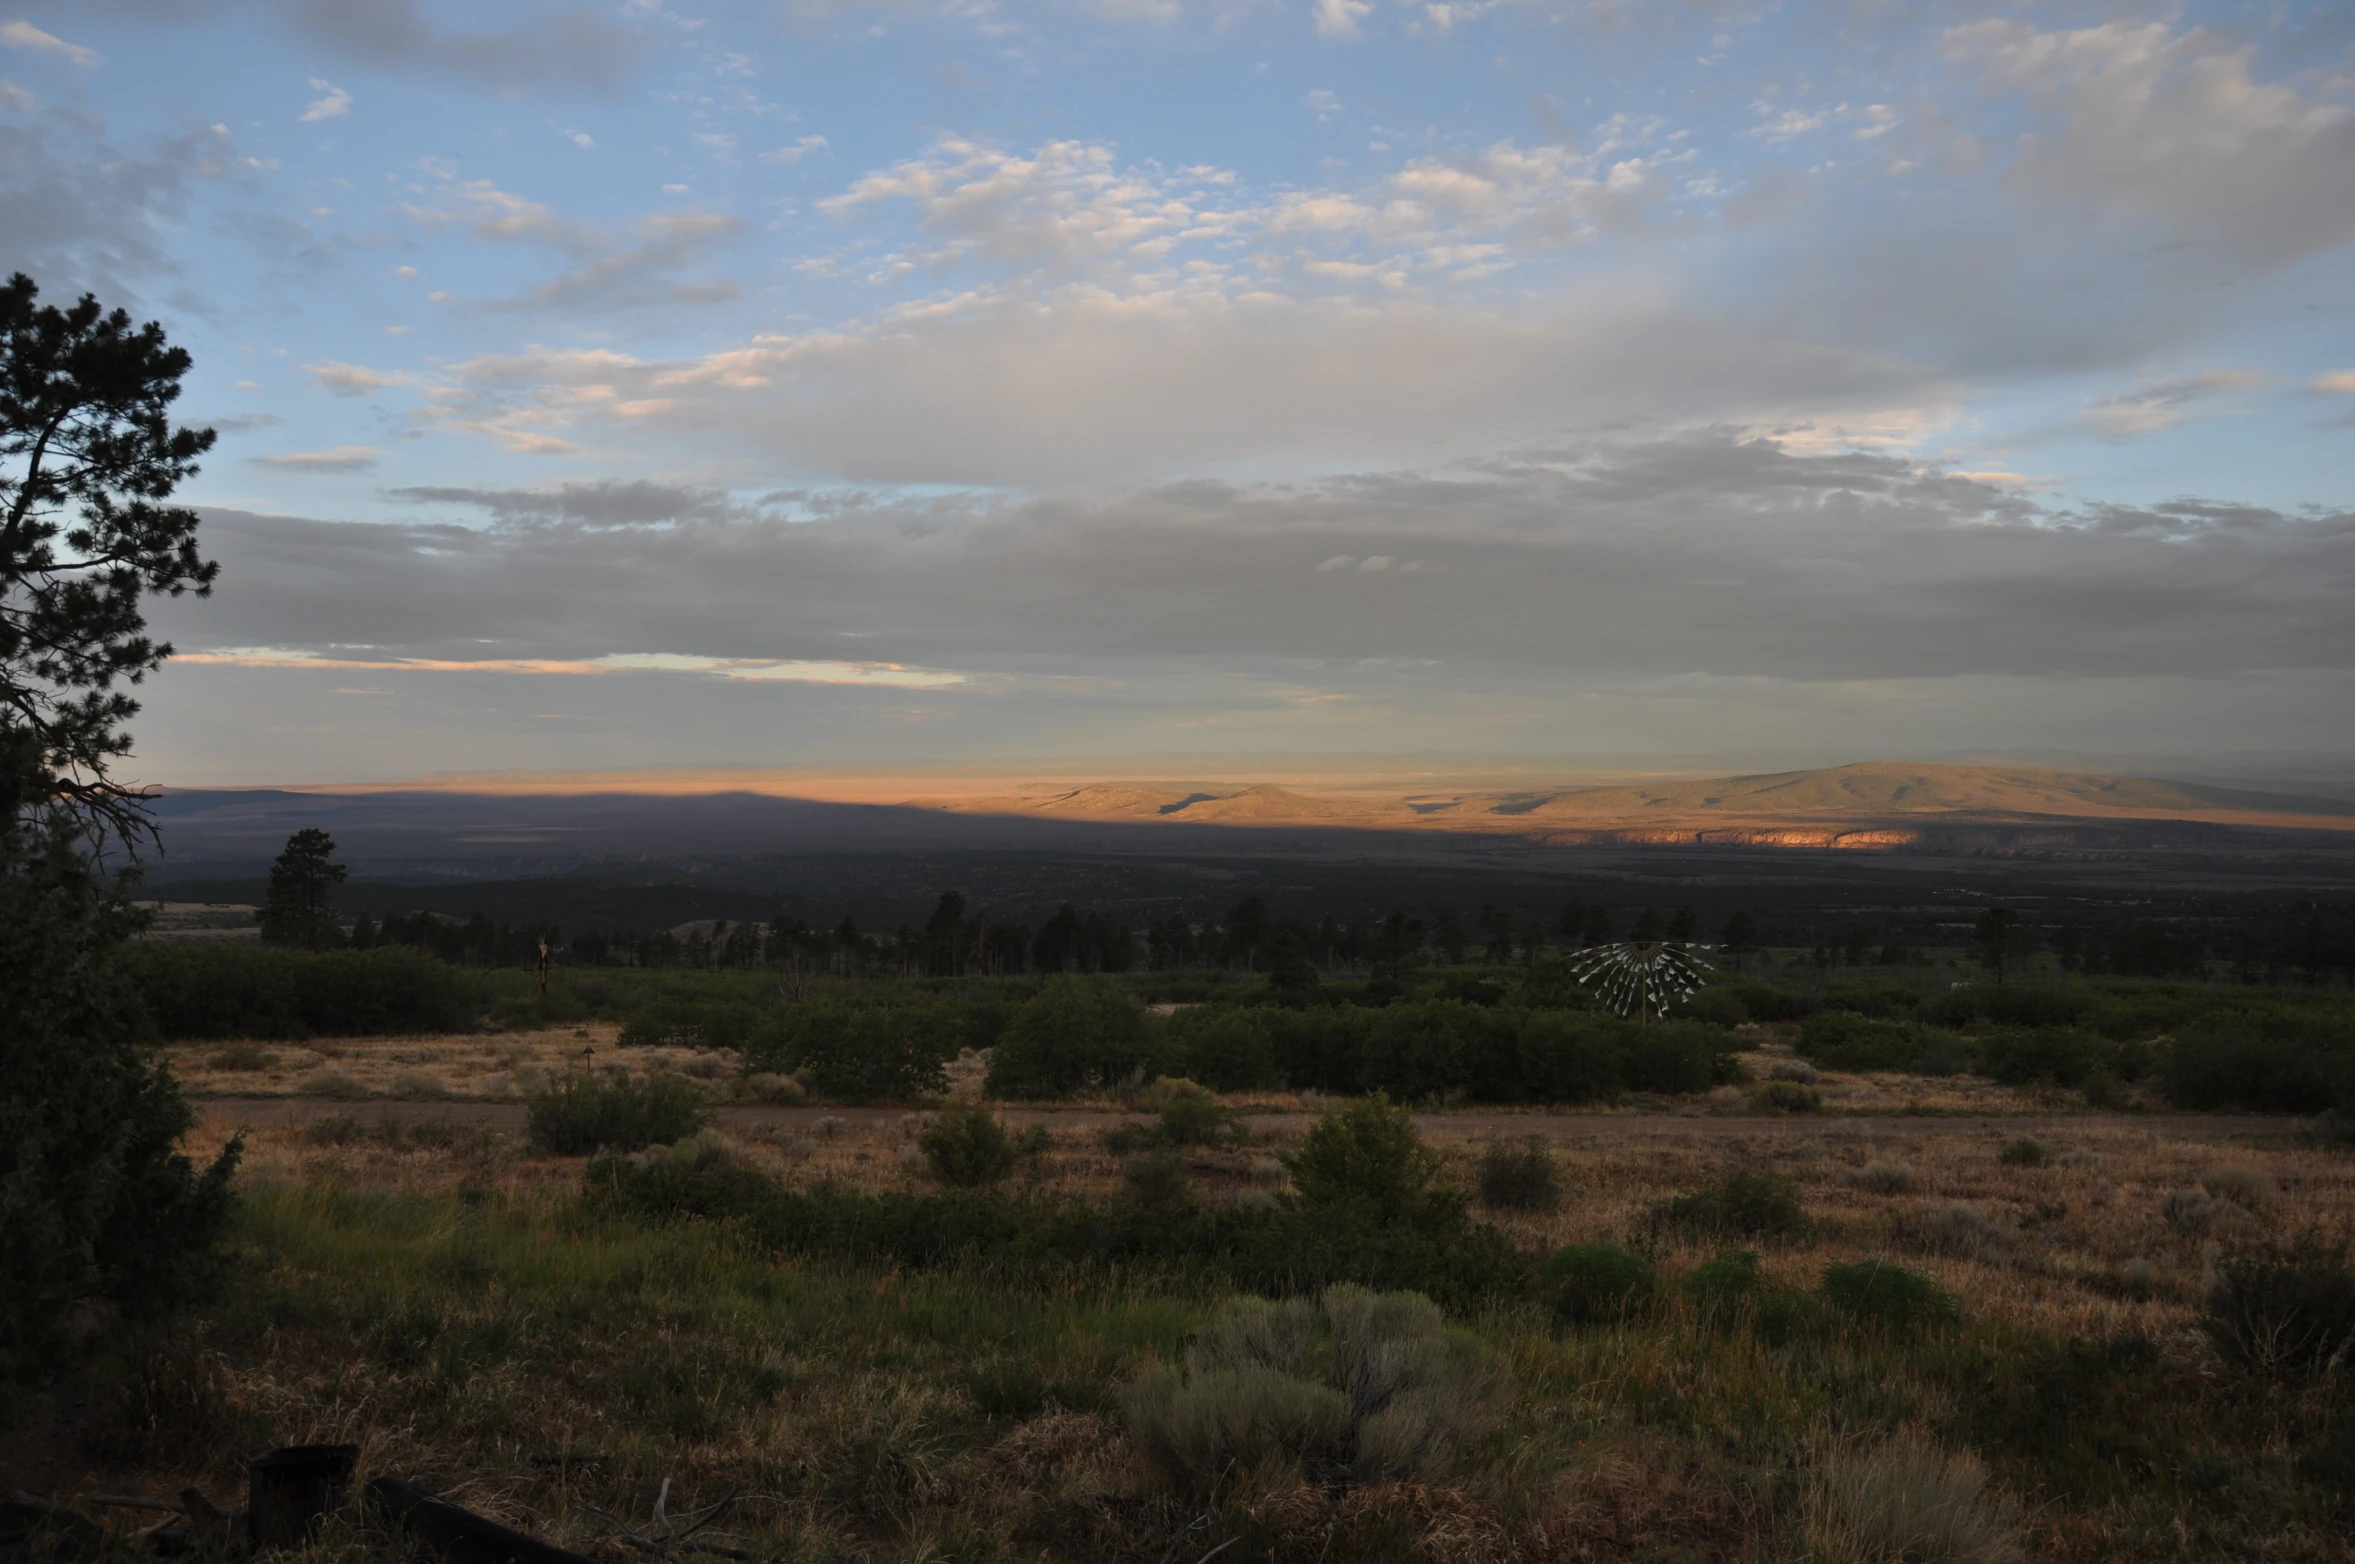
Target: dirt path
1565,1129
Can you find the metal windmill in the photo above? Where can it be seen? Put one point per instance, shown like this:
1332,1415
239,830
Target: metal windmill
1642,977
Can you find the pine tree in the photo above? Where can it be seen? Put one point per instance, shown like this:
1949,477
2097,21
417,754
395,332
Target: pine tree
300,910
99,1213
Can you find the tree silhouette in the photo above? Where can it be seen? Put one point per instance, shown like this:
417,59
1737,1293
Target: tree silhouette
88,456
97,1203
1997,937
1740,937
299,909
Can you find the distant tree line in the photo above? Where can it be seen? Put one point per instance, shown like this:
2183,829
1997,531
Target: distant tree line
2303,944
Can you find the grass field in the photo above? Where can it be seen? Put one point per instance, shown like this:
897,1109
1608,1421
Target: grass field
411,1278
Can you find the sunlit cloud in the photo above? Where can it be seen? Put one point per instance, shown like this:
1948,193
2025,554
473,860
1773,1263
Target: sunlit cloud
888,675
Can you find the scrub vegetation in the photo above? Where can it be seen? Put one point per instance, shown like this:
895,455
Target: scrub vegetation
975,1332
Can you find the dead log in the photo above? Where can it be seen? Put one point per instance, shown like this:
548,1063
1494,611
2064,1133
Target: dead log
290,1491
460,1536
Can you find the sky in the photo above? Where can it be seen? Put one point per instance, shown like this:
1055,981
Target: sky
797,382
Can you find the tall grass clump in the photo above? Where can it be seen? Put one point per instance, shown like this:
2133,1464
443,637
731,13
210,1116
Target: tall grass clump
1880,1178
583,1113
1518,1178
2285,1310
1906,1502
1356,1387
1745,1205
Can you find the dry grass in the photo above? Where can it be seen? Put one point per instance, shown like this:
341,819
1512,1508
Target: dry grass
2082,1246
435,1292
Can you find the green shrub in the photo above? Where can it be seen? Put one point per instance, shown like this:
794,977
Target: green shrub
1396,1395
2062,1055
1190,1116
2285,1310
1157,1180
1764,1002
99,1208
1598,1282
1723,1282
854,1052
1676,1056
1716,1006
1787,1097
966,1147
1868,997
1518,1178
2026,1152
681,1022
2241,1062
1282,1246
218,988
2079,1410
1844,1040
1874,1292
582,1113
1078,1034
1368,1152
1746,1205
1225,1047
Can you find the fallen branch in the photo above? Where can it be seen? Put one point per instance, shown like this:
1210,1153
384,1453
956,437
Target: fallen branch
460,1536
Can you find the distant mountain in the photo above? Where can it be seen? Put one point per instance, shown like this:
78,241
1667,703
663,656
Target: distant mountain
1884,790
1269,802
1876,804
1880,806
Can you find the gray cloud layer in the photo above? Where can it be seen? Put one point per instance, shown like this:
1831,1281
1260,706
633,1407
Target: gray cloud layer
1705,556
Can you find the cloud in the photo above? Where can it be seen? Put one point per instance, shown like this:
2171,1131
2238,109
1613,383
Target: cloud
1113,389
1339,18
612,273
2162,404
333,102
566,49
352,379
2339,382
24,35
2148,125
86,212
341,458
885,675
639,275
604,503
480,207
1706,557
795,152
